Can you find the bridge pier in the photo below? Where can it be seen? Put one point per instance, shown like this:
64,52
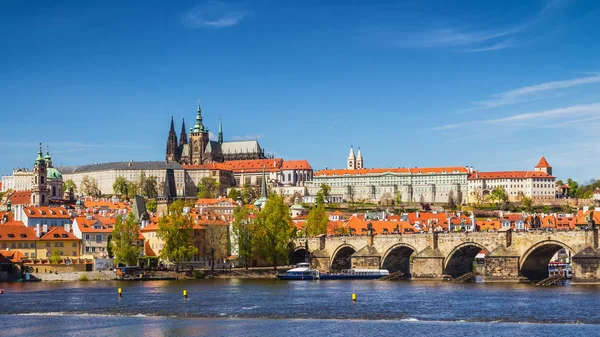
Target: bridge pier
502,265
586,267
428,264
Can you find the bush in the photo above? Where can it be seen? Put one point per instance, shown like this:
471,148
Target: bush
198,275
83,277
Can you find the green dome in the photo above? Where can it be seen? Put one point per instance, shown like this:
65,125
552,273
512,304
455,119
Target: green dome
53,173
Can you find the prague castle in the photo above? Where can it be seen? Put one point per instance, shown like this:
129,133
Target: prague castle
199,149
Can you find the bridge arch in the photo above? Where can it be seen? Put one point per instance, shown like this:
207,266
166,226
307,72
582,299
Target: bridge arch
341,258
397,258
461,258
299,254
534,263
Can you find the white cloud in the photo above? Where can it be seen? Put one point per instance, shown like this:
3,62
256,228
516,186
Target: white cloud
575,110
212,14
247,137
528,93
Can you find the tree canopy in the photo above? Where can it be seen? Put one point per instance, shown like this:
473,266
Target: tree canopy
124,237
176,230
69,184
242,234
273,231
89,186
323,194
233,194
121,186
208,188
499,195
317,220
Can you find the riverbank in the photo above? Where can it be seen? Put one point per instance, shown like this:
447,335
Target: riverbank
253,273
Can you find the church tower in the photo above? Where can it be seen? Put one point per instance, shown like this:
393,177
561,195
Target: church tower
183,135
198,140
543,166
359,160
351,159
172,154
39,186
220,131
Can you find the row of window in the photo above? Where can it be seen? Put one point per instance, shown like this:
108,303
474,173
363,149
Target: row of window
32,245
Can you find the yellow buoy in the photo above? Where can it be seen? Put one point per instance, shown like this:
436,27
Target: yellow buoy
120,292
185,294
353,297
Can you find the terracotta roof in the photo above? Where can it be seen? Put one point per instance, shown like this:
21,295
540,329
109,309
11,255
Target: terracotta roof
256,165
424,170
46,212
58,233
17,233
20,198
86,225
13,223
488,224
338,213
508,175
209,166
12,255
543,163
214,201
296,165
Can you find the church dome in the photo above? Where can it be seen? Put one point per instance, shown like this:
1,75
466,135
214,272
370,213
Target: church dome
54,174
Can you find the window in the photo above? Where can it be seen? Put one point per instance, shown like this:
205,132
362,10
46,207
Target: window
87,236
74,244
98,238
87,249
56,244
47,244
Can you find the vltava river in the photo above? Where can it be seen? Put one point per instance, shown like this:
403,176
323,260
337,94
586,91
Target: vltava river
298,308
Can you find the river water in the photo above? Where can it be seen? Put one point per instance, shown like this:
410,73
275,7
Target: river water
297,308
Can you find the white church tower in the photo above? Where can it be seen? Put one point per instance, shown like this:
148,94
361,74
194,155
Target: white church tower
359,160
351,159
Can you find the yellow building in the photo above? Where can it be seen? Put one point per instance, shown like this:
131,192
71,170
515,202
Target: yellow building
60,240
15,236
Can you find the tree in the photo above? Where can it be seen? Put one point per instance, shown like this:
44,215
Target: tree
248,193
149,189
55,258
458,200
215,242
121,186
69,184
351,193
151,205
109,247
398,197
451,201
176,230
242,234
316,221
208,188
527,204
124,238
323,194
273,231
499,195
386,199
233,194
89,186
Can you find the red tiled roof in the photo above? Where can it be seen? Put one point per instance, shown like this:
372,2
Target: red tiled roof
209,166
295,165
543,163
508,174
58,233
256,165
17,232
46,212
12,255
424,170
20,198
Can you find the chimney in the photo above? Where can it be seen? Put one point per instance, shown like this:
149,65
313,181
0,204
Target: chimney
37,230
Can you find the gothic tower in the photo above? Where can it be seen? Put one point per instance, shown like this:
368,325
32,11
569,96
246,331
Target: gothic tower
39,186
172,154
359,160
220,131
183,136
351,159
543,166
198,140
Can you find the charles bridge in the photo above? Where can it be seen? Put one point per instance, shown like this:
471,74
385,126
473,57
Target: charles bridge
511,256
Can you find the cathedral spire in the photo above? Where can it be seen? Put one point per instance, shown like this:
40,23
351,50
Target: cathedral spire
263,186
220,131
183,136
172,143
199,127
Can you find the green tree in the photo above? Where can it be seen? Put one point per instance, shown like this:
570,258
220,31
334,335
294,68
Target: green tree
208,188
242,234
323,194
451,201
69,183
215,242
527,204
233,194
398,197
151,205
150,187
124,237
121,186
89,186
499,195
55,258
249,194
273,231
176,230
109,247
132,190
316,221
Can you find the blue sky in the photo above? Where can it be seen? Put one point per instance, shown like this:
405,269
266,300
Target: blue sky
494,85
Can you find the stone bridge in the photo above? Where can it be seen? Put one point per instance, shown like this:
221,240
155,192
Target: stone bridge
511,256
